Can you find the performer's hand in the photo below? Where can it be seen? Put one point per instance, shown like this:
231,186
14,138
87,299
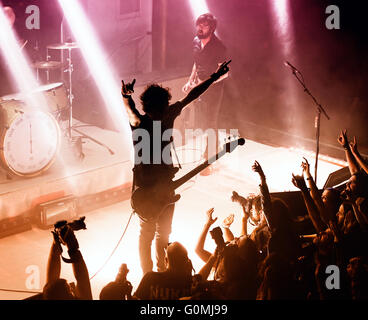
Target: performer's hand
187,87
127,89
221,70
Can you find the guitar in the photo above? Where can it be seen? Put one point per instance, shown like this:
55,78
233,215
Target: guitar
150,202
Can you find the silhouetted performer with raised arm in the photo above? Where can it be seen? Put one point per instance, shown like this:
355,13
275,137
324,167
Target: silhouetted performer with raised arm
158,115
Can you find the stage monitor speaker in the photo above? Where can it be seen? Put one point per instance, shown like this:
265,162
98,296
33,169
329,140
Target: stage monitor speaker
337,177
50,212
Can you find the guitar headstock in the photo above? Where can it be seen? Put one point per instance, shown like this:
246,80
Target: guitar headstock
231,145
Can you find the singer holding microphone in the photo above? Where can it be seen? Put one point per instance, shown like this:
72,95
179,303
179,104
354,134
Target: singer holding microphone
208,53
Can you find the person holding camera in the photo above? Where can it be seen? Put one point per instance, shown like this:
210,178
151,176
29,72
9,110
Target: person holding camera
57,288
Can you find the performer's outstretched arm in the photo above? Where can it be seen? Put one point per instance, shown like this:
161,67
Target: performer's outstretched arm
133,113
202,87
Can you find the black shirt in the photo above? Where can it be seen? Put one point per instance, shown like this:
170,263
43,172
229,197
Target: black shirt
208,58
165,285
153,160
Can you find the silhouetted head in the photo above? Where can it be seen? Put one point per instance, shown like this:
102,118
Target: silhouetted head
177,258
206,25
331,200
358,184
280,216
247,250
58,290
155,99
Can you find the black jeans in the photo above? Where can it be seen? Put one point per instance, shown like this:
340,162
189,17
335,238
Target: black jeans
161,228
207,111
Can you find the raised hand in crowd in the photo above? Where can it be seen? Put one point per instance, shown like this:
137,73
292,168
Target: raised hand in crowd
257,168
199,249
344,142
343,139
228,221
360,160
299,182
210,219
57,288
314,214
306,168
246,207
226,226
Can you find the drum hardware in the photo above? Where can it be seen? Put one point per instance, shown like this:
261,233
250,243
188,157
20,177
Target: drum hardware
47,66
62,46
69,69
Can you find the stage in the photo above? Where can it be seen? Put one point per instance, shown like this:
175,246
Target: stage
26,253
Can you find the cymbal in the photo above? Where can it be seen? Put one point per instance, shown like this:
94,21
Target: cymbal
47,65
61,46
14,96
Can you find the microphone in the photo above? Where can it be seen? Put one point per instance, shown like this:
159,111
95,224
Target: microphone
288,64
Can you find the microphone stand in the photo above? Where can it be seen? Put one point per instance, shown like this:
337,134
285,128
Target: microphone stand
317,123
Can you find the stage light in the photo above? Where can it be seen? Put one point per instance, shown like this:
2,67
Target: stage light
281,13
107,83
18,65
198,7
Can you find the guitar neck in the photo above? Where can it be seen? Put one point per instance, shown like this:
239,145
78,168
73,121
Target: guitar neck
177,183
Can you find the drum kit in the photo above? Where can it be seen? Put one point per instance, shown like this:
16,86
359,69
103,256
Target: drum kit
24,151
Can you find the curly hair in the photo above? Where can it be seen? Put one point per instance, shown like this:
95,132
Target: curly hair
155,98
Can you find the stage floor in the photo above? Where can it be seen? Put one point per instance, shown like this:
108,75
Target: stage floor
24,256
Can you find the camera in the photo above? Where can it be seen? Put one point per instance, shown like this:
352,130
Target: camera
61,228
75,225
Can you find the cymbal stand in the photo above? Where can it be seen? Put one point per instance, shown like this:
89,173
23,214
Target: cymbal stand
70,90
71,127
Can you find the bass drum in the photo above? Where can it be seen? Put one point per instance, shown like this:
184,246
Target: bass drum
29,139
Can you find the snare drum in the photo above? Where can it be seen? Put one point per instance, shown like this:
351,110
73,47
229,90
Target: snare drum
56,97
29,139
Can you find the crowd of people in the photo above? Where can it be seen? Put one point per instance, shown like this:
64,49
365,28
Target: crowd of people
273,262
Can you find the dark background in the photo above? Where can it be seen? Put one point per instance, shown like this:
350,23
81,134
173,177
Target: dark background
258,99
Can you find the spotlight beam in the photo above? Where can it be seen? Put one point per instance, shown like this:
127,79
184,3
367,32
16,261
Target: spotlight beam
18,63
198,7
96,60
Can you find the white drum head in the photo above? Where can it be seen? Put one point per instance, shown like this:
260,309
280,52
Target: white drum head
31,143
